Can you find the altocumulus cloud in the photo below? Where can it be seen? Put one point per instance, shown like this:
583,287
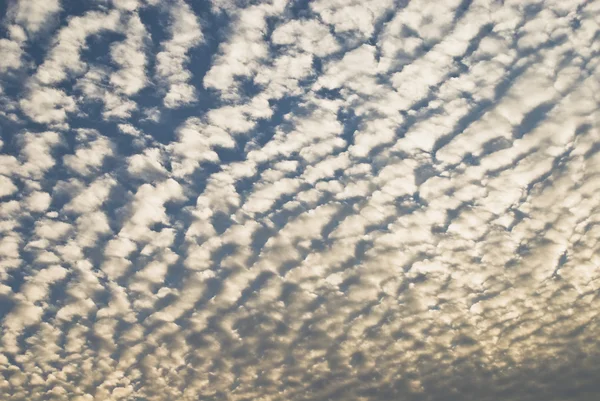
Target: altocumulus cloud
299,200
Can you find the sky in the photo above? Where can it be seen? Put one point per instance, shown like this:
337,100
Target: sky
264,200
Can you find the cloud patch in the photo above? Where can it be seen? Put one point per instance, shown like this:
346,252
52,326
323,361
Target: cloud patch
171,61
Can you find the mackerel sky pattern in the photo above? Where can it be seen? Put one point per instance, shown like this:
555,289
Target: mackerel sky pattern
291,200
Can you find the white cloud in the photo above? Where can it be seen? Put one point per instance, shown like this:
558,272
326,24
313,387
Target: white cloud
147,166
47,105
129,55
91,227
245,51
356,62
308,36
34,16
262,199
148,208
91,198
171,62
64,57
357,17
7,187
129,129
11,55
89,158
31,16
95,86
195,144
38,201
36,153
51,229
129,5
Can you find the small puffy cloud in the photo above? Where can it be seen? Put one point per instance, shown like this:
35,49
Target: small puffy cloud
94,85
90,227
128,5
33,15
360,61
89,157
245,51
147,166
7,187
51,229
358,17
11,55
129,129
308,36
38,201
171,62
152,114
130,56
46,105
148,208
91,198
36,152
195,144
64,57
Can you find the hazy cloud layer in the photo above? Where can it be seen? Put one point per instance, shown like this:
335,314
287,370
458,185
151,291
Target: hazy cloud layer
291,200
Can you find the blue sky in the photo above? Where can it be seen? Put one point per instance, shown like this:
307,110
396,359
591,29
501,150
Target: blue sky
299,200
